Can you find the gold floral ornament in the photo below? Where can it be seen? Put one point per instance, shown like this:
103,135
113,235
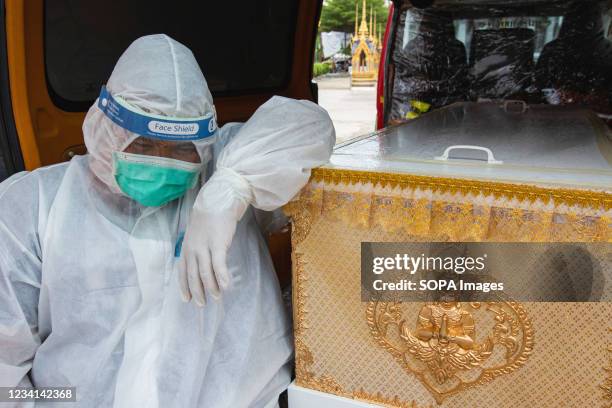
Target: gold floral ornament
304,212
442,350
304,377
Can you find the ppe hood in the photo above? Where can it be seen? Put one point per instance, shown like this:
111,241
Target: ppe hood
159,77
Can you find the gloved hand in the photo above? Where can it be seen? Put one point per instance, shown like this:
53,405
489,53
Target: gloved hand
265,164
219,206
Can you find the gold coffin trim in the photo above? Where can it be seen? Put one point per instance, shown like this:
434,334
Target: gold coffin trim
584,198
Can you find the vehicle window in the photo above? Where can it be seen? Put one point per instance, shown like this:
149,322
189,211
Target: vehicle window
538,53
242,47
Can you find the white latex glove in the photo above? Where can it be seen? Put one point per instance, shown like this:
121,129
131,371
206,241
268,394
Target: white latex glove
266,163
219,206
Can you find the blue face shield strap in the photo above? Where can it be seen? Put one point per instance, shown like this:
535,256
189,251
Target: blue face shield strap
155,126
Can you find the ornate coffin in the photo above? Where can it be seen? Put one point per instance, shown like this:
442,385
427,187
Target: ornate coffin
554,185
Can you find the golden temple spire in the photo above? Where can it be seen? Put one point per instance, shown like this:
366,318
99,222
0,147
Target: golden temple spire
356,16
363,28
363,12
371,21
365,53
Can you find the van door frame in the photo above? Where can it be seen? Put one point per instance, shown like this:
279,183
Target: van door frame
9,141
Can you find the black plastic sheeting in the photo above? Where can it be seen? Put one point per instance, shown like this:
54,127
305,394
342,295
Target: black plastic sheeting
558,56
431,68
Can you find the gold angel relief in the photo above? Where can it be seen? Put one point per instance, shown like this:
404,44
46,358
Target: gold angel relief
441,347
444,340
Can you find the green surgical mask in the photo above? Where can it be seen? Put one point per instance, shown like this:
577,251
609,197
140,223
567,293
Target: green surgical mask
154,181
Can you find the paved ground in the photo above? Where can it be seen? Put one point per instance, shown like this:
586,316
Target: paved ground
353,110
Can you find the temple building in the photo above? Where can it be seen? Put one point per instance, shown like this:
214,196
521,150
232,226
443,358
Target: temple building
365,50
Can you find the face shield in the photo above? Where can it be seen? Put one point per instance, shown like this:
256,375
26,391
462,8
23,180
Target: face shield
155,106
161,160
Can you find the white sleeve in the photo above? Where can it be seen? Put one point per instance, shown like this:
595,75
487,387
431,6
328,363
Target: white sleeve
276,148
20,275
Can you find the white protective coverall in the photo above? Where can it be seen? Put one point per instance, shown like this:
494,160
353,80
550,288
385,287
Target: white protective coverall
88,292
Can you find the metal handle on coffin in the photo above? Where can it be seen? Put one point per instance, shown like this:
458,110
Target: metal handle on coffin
490,158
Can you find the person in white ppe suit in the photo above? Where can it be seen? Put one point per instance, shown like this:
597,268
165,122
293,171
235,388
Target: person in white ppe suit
94,269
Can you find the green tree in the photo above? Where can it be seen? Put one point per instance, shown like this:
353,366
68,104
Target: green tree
339,15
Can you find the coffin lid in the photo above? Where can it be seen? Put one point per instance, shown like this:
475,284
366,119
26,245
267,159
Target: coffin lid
536,144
